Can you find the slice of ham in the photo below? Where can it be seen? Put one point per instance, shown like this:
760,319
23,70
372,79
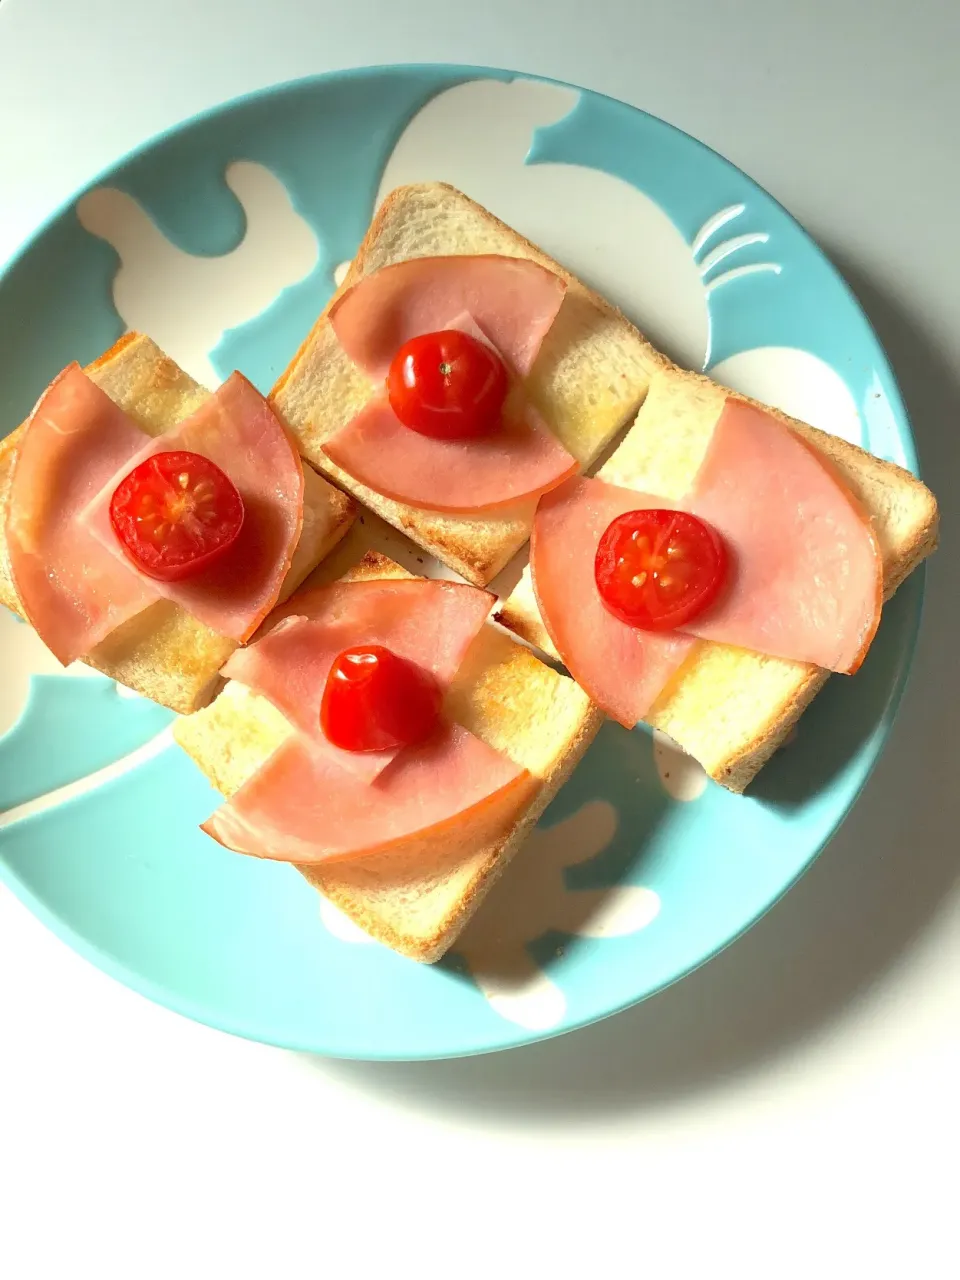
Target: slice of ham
302,807
521,460
513,300
430,623
621,668
808,577
236,428
73,590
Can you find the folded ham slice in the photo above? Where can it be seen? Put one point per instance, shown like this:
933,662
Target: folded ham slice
622,669
520,461
808,576
429,623
73,590
302,807
513,300
806,580
517,463
236,428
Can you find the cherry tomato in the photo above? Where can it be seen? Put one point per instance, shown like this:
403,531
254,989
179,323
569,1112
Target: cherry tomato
175,514
447,385
374,700
658,570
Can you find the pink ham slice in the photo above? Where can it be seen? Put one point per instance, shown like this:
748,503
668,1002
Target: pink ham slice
429,623
808,579
302,807
73,590
236,428
622,669
519,461
513,300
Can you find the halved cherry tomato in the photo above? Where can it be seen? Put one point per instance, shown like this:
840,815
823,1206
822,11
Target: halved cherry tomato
658,570
175,514
374,700
447,385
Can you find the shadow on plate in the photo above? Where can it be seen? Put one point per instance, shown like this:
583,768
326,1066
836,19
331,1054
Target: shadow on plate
580,877
826,947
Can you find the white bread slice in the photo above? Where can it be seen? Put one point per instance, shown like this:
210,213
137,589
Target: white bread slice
505,695
730,708
591,375
164,653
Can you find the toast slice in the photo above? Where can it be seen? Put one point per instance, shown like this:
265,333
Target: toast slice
727,707
591,375
164,653
503,694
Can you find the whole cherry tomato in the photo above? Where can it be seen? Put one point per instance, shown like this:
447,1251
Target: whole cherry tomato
374,700
448,385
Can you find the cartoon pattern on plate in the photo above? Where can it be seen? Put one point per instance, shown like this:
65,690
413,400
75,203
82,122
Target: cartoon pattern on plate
40,701
213,294
253,244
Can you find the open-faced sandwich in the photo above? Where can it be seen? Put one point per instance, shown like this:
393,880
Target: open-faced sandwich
148,526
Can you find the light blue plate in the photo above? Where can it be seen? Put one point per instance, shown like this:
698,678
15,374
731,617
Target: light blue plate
627,888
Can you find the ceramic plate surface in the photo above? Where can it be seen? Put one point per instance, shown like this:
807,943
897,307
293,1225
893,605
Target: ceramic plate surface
222,239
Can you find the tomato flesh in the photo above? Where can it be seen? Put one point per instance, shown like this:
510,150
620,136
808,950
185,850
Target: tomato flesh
448,385
658,570
176,514
374,701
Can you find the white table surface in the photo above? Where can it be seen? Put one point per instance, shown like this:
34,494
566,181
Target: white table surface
791,1109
